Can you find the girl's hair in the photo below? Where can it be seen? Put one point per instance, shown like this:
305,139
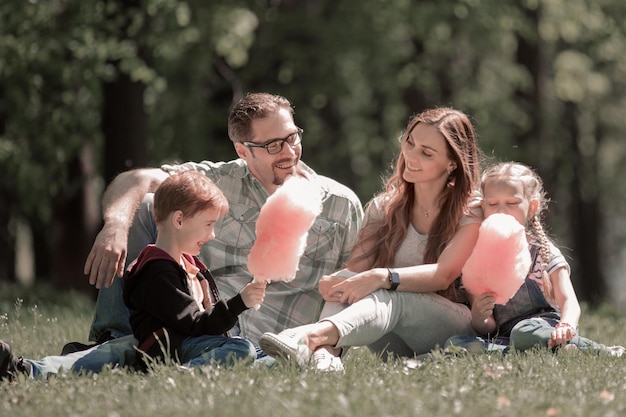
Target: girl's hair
533,190
189,192
385,237
253,106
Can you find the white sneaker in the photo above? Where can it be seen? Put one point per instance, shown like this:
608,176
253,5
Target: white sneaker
325,361
616,351
287,344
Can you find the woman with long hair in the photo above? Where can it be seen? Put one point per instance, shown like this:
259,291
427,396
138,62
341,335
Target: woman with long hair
399,292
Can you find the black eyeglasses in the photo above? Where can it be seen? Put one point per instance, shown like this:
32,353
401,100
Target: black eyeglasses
275,146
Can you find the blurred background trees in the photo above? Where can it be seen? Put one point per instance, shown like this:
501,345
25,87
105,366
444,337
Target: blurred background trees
91,88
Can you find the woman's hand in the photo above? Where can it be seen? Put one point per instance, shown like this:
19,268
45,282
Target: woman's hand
350,290
327,284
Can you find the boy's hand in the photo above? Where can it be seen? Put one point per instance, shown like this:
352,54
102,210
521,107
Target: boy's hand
253,293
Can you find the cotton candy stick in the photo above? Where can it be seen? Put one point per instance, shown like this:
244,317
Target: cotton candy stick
282,229
500,260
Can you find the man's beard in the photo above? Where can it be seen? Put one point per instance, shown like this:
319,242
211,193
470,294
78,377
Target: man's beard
281,181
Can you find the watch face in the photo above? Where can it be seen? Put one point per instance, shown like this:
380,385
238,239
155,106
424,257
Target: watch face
394,278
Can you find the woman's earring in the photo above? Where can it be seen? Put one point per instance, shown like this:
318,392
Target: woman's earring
451,179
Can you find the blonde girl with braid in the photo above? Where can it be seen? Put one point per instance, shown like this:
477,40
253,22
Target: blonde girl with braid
545,310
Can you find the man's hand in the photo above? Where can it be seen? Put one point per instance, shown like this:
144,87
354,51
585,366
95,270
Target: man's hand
107,256
119,204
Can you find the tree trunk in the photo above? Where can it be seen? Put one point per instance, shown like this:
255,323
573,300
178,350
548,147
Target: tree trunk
7,239
75,219
124,124
588,277
528,55
124,121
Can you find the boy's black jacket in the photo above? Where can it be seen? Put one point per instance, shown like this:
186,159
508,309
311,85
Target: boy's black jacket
157,293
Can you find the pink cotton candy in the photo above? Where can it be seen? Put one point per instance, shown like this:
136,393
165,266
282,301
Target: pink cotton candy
282,229
500,260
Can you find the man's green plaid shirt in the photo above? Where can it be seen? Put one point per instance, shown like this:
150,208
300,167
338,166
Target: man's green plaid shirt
329,243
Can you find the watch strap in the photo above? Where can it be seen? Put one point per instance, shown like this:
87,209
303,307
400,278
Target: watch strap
394,279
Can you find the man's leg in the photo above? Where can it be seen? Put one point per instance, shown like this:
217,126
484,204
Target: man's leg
111,314
116,353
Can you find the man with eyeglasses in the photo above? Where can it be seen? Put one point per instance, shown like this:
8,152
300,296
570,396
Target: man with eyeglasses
269,146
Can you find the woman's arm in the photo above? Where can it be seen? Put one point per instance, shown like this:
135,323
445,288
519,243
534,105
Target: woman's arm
439,276
419,278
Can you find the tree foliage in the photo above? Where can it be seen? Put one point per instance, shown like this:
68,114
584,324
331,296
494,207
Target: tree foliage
542,80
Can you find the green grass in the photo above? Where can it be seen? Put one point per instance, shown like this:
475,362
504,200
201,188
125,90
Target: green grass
40,321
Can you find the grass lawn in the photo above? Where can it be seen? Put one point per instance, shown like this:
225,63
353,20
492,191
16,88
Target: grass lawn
40,321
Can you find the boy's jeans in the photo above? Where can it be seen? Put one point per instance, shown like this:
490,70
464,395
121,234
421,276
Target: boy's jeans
206,349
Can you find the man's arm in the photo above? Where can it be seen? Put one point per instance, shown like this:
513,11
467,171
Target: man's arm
119,203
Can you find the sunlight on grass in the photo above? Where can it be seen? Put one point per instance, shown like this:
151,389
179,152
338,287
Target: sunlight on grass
537,383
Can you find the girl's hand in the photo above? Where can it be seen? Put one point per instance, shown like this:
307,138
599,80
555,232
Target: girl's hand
562,333
483,321
482,306
253,293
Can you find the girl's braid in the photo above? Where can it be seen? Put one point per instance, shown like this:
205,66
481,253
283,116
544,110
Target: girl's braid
536,230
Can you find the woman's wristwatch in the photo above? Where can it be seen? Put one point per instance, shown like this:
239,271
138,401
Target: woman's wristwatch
394,279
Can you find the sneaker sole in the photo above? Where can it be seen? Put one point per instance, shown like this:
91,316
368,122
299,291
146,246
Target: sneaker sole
275,347
5,350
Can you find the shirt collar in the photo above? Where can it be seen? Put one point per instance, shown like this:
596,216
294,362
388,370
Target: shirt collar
242,171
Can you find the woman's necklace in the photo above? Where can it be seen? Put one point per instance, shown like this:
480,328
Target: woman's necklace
427,212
